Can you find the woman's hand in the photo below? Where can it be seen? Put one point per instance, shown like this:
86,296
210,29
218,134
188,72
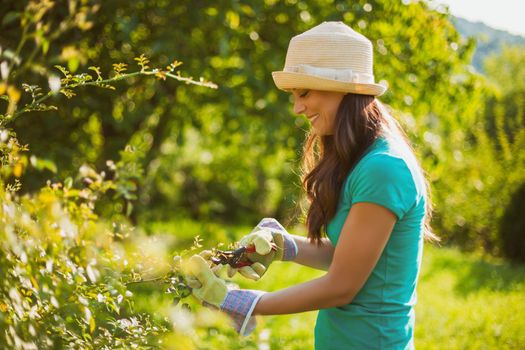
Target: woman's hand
272,242
211,290
205,285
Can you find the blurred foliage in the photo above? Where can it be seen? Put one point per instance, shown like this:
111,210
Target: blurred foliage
67,274
232,153
71,279
484,173
512,226
59,273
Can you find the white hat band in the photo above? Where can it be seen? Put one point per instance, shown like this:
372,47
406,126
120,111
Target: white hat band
344,75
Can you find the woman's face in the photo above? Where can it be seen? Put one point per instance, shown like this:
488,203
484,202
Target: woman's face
320,107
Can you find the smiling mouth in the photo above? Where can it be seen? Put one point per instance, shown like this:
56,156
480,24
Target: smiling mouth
313,117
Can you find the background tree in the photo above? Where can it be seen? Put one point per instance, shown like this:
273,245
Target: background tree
195,142
232,154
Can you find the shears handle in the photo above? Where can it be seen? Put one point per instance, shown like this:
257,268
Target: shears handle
235,258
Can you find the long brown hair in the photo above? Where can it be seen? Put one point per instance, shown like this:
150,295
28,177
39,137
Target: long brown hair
328,159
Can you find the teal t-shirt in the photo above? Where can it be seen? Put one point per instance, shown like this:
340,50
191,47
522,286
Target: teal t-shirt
381,316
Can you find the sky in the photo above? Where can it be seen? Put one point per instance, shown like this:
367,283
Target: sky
506,15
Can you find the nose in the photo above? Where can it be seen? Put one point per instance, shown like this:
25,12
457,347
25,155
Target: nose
298,107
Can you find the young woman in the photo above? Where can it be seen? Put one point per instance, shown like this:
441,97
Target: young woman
367,194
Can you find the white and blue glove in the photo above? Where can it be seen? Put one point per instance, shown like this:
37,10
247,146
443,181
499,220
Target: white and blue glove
272,242
211,290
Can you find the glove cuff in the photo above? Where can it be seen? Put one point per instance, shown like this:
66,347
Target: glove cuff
239,305
290,247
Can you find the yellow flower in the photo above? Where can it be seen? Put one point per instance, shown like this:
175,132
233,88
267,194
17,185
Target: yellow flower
18,169
69,52
14,93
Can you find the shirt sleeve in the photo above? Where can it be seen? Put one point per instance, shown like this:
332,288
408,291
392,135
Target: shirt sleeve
384,180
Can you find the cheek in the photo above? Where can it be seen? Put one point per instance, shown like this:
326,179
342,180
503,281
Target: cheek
335,107
331,115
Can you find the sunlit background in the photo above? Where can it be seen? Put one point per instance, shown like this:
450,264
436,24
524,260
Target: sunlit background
103,187
502,14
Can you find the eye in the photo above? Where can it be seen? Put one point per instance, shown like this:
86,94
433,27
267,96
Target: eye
304,94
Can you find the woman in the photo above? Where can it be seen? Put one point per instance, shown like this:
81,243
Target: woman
366,192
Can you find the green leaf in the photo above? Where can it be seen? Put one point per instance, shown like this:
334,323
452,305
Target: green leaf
10,17
43,164
10,54
63,70
45,45
92,325
68,182
73,64
129,208
97,71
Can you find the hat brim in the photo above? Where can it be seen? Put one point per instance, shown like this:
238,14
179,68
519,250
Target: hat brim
289,80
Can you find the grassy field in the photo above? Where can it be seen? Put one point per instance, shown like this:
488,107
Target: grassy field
469,302
464,302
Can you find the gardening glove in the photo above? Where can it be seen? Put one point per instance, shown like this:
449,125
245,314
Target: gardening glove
238,304
272,242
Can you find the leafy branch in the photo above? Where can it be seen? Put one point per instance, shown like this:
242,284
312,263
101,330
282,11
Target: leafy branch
69,82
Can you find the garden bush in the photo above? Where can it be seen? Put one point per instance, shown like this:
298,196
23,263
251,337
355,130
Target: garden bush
69,276
512,226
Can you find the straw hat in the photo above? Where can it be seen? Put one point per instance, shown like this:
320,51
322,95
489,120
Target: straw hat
330,57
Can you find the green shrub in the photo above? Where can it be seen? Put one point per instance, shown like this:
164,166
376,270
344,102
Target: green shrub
479,167
68,276
60,279
512,227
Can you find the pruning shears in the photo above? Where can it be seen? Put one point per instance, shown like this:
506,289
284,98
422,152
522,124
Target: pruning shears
235,258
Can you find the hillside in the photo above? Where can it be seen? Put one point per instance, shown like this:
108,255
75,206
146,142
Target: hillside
489,40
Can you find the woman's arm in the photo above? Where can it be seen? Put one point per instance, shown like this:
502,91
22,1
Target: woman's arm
312,255
362,240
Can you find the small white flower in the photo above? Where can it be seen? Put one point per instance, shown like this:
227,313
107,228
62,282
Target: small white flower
83,301
54,301
4,70
182,320
54,83
92,273
4,135
124,323
49,266
87,315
